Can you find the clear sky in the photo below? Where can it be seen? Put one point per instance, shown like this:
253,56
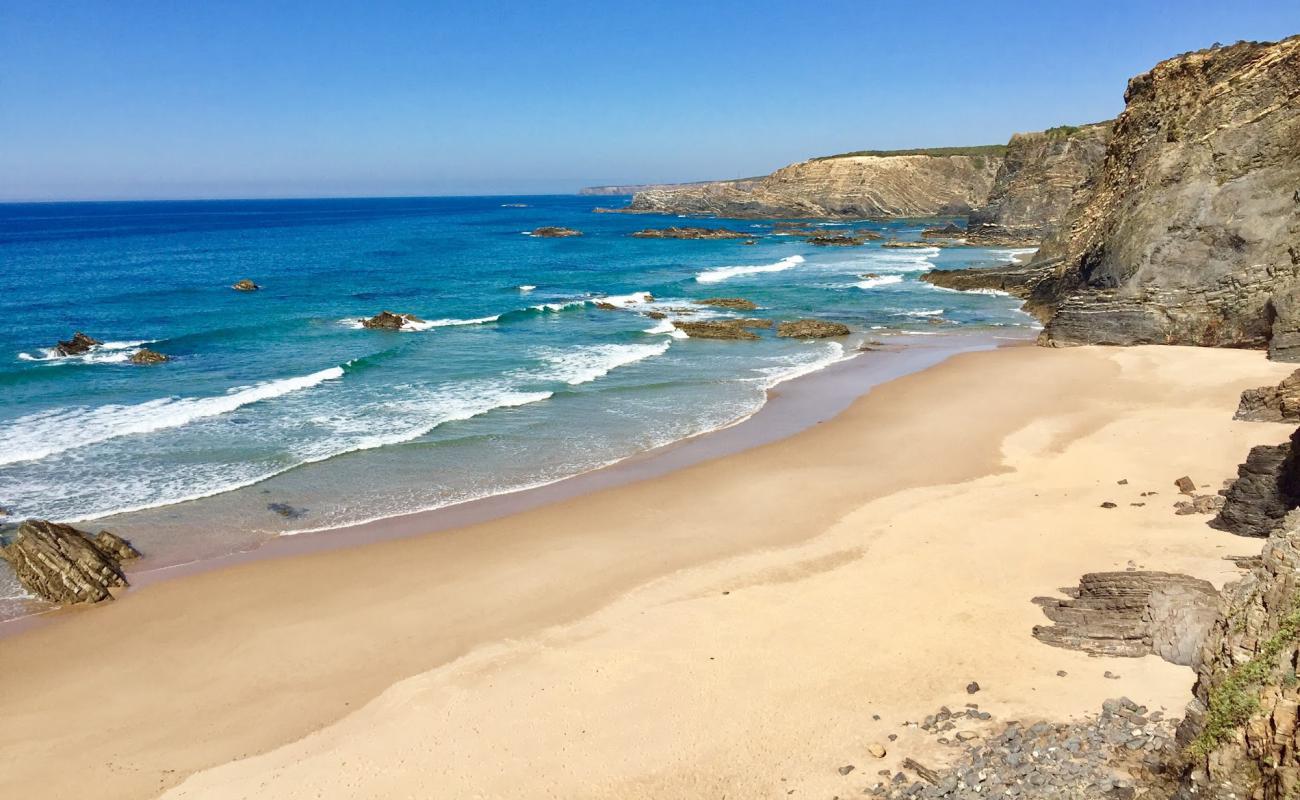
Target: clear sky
132,99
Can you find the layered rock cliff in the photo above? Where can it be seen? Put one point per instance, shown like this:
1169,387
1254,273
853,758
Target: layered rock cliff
1039,178
633,188
1190,232
849,186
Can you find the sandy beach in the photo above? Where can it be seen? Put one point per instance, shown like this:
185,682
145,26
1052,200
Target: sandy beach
741,627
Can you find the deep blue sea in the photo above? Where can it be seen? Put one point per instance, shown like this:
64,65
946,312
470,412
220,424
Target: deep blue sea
279,413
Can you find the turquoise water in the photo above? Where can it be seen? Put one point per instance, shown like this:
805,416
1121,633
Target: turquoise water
279,413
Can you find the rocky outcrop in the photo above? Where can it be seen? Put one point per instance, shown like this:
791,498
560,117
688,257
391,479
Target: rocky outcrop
840,239
1015,279
715,329
1266,488
1132,614
1279,403
64,565
555,232
1239,735
78,344
245,285
387,320
633,188
811,329
1190,232
1039,178
689,233
734,303
849,186
146,356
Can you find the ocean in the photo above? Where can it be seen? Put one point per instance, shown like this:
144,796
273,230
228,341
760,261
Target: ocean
279,414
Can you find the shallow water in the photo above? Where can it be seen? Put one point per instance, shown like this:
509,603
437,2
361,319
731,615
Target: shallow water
279,413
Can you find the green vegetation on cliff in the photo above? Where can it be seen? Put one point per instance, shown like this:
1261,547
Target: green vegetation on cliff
976,150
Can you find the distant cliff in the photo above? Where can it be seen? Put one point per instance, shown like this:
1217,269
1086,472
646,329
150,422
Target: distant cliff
1038,181
1190,233
908,184
633,188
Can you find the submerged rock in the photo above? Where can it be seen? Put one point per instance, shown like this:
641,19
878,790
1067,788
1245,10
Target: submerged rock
78,344
387,320
689,233
555,232
720,329
245,285
146,356
64,565
735,303
811,329
1279,403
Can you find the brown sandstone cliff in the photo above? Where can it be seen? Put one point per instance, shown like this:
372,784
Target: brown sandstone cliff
1190,233
1038,180
852,186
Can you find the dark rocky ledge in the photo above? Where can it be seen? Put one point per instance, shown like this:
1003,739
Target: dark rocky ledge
64,565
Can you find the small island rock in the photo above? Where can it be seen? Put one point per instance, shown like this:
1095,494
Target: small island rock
78,344
245,285
555,232
388,321
146,356
736,303
811,329
689,233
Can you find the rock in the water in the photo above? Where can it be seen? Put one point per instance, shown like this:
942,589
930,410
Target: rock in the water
689,233
811,329
1267,487
719,329
839,239
555,232
387,320
245,285
64,565
78,344
949,231
1131,614
146,356
735,303
1279,403
287,511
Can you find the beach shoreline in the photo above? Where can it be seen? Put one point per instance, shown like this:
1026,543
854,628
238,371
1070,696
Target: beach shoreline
613,600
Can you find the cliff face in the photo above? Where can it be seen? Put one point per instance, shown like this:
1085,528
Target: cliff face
1038,180
1190,233
842,186
633,188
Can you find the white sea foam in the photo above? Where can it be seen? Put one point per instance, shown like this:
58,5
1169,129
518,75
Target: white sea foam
626,300
443,323
586,364
526,288
719,274
825,354
667,327
882,280
40,435
105,353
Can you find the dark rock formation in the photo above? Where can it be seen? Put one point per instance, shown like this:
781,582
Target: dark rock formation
736,303
1039,178
1132,614
689,233
78,344
1239,736
838,240
811,329
753,322
1190,232
1266,488
555,232
715,329
387,320
1279,403
146,356
64,565
245,285
1015,279
949,231
848,186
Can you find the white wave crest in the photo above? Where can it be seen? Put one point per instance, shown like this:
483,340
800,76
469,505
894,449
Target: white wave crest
667,327
881,280
40,435
586,364
720,274
443,323
526,288
924,312
626,300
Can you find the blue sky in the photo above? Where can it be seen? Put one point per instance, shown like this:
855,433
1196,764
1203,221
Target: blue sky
124,99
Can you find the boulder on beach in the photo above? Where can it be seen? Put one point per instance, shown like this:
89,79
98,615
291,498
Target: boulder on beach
64,565
1279,403
716,329
245,285
811,329
555,232
78,344
146,356
689,233
735,303
388,321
